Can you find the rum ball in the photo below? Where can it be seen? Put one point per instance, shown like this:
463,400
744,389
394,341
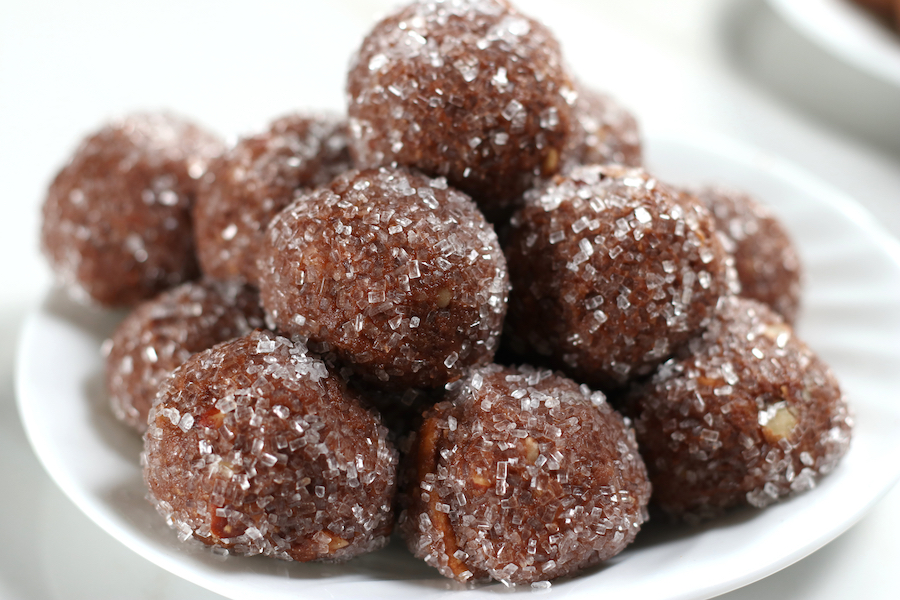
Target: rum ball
117,218
396,275
163,332
473,91
521,475
766,260
746,414
611,271
255,447
254,180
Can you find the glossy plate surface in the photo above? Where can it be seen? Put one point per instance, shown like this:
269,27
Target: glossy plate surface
851,316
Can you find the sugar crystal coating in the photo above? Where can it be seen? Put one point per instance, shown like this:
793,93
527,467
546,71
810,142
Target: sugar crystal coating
117,218
521,475
611,270
256,178
745,414
767,263
603,132
161,333
255,447
468,89
395,274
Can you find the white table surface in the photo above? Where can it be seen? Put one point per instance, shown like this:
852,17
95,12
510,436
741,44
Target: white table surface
730,66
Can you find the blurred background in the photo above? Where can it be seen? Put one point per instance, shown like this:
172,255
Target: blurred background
768,73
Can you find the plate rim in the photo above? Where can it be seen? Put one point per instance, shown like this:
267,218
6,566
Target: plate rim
868,39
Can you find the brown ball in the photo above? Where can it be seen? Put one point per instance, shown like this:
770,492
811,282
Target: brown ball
521,476
395,274
255,447
117,218
254,180
767,262
474,91
603,132
611,270
883,8
745,414
160,334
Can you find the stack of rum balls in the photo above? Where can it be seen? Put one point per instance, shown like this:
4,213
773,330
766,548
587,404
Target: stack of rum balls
328,339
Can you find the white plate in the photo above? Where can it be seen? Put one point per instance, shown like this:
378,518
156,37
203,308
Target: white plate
849,32
851,316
